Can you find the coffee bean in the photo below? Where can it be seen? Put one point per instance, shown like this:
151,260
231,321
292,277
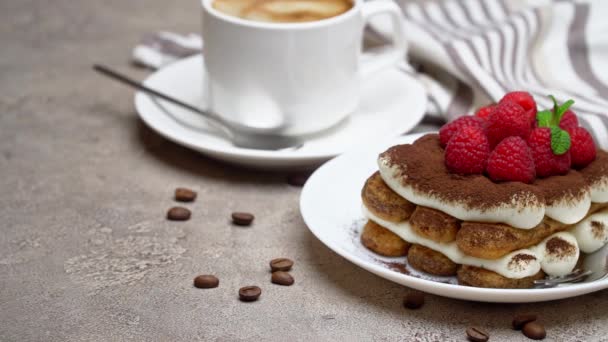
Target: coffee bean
184,195
298,179
242,219
249,293
206,281
280,264
178,214
520,320
414,300
282,278
534,330
475,334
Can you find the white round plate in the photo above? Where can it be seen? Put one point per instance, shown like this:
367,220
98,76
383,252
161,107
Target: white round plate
392,103
331,207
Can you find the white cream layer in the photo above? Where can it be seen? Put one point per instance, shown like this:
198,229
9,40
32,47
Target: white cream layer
513,214
557,264
599,191
592,232
568,211
507,266
516,214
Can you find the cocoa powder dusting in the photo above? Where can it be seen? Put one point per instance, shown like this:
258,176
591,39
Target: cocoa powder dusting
598,230
422,167
597,171
396,266
560,248
570,187
523,258
519,261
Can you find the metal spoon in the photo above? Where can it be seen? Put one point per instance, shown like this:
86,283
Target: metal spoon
594,268
597,263
265,138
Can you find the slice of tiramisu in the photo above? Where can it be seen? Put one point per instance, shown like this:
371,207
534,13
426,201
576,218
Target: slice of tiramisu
498,201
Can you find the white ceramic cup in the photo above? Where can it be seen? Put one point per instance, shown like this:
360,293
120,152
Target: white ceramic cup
299,77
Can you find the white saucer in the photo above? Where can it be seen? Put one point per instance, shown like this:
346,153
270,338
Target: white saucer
330,204
392,104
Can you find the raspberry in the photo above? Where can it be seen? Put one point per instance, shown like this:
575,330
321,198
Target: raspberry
511,160
525,100
468,151
485,111
582,148
547,163
447,131
506,120
568,121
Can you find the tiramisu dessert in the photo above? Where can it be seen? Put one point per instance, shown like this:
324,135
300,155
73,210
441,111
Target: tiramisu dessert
499,199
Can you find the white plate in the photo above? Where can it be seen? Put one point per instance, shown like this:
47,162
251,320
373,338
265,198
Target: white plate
331,207
392,103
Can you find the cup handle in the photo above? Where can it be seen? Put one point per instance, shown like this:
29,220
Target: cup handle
373,62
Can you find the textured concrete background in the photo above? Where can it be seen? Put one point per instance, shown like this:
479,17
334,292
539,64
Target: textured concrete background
85,251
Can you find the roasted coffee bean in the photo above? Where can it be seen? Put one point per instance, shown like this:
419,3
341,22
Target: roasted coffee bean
242,219
534,330
475,334
184,195
178,214
297,179
520,320
249,293
206,281
282,278
280,264
414,300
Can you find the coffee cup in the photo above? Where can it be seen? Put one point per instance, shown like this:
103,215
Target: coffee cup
292,68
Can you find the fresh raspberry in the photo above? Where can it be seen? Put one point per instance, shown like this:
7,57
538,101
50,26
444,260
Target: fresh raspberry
485,111
506,120
525,100
447,131
511,160
582,147
468,151
568,121
547,163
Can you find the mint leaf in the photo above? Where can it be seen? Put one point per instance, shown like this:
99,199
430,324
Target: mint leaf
561,110
555,109
544,118
556,114
560,140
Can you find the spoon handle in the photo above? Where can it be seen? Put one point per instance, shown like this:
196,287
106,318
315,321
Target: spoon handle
239,135
137,85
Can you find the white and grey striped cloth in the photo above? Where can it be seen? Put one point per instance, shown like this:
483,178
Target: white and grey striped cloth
479,49
469,53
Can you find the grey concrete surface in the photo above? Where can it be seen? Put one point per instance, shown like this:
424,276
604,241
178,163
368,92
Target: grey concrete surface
85,251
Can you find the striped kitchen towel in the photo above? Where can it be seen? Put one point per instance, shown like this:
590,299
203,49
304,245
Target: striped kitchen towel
477,50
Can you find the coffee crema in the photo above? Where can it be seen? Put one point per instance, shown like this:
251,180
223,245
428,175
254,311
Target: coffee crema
283,11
